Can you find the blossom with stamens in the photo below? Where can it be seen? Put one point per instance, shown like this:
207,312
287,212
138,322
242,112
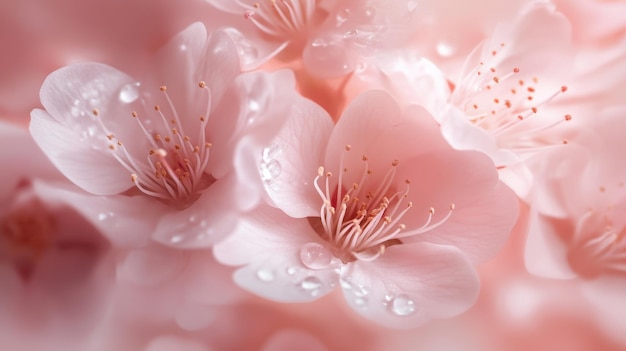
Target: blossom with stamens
498,106
271,25
173,144
380,205
331,37
577,228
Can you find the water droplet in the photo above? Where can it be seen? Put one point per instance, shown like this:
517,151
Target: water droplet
315,256
177,238
342,17
253,105
265,275
75,111
360,291
129,93
360,301
271,152
360,67
369,12
183,47
445,49
319,43
346,285
291,270
106,216
270,170
350,33
311,283
402,305
411,5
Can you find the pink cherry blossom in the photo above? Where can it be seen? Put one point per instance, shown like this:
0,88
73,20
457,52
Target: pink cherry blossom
382,207
55,267
329,36
171,145
578,226
498,103
270,26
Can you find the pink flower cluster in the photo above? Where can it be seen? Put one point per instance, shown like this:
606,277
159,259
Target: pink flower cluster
313,175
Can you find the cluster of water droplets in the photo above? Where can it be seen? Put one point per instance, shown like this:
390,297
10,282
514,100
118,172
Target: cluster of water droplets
307,276
89,96
180,233
270,166
401,305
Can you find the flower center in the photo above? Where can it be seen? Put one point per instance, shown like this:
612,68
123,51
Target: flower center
26,232
362,219
598,245
599,251
507,103
173,168
280,18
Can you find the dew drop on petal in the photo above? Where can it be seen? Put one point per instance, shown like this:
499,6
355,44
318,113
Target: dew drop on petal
360,291
444,49
271,152
129,93
106,216
350,33
342,17
75,111
270,170
177,238
315,256
291,270
360,301
253,105
402,305
346,285
319,43
311,283
265,275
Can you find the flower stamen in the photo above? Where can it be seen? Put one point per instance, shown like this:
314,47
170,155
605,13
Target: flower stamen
360,223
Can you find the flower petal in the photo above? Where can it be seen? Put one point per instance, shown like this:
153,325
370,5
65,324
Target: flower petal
289,165
25,158
411,284
126,221
270,245
485,210
70,134
374,126
545,254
